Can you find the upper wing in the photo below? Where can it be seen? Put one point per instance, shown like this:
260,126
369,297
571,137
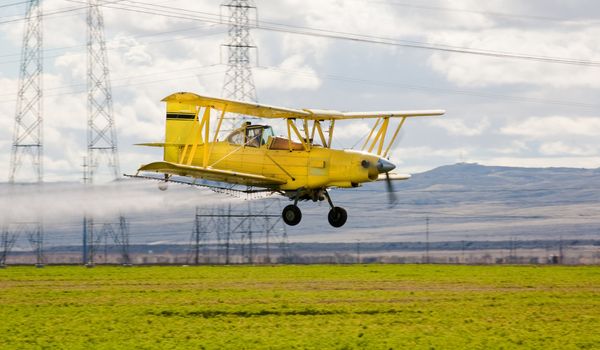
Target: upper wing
328,115
267,111
212,174
237,107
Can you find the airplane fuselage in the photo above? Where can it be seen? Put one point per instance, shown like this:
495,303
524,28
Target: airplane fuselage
318,168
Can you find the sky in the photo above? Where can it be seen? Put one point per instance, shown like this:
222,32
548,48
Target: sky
500,110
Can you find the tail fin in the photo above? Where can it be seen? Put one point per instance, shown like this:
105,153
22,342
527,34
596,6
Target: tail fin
181,118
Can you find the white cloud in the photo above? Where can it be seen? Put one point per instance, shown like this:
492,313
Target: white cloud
543,127
292,74
461,128
576,42
542,162
153,56
560,148
515,147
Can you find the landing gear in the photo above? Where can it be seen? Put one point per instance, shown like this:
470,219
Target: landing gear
291,215
337,217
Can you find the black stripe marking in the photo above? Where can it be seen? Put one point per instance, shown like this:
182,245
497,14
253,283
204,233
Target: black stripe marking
180,116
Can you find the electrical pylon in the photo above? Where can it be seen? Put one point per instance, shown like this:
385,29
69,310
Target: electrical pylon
28,132
101,132
239,83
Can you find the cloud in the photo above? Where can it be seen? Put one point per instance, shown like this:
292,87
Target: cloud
461,128
292,74
560,148
576,42
153,56
542,162
544,127
513,148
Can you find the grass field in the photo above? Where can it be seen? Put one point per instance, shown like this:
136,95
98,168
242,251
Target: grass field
315,307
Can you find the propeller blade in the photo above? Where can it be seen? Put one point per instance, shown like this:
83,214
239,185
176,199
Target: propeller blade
390,190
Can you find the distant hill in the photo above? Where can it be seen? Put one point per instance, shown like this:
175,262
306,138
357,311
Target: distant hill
461,201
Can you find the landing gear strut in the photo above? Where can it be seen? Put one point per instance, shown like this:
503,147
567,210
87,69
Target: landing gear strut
292,215
337,216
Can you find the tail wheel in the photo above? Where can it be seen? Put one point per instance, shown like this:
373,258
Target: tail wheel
337,217
291,215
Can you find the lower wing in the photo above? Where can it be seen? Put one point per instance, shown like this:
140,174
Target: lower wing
211,174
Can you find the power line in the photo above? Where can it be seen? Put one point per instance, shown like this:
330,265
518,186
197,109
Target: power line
125,85
329,77
168,11
14,4
479,12
324,33
430,88
57,12
170,40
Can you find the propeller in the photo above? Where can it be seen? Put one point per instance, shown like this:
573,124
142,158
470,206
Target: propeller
390,190
385,166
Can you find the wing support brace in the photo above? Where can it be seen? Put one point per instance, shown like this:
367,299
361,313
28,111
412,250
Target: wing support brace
380,132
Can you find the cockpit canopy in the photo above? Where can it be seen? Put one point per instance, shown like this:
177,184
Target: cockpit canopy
251,135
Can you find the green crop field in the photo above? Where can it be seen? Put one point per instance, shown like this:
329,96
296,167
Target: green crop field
313,307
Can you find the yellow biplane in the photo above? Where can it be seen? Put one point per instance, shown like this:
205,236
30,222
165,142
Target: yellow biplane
301,166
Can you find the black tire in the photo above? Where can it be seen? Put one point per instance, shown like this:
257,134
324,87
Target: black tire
291,215
337,217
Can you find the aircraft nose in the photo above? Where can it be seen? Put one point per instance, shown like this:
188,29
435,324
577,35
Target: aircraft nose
384,166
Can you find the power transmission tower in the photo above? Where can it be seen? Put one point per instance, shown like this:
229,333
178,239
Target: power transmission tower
239,83
228,236
7,241
123,240
197,235
28,132
249,235
101,132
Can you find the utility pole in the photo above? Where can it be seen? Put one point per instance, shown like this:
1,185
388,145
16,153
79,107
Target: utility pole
560,251
268,234
228,235
197,240
427,240
358,251
239,83
250,247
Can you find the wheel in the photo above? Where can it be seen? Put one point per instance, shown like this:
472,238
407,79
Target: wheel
337,217
291,215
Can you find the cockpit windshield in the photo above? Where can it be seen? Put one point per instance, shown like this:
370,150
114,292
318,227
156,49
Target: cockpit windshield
251,135
267,132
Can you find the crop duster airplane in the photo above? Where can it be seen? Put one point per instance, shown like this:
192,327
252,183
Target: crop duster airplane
300,166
